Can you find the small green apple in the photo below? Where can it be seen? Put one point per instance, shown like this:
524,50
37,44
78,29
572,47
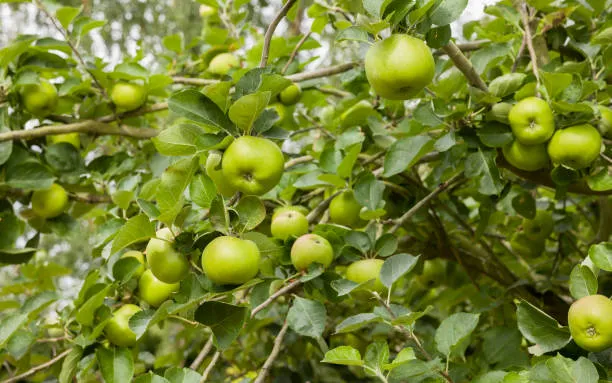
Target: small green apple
71,138
288,224
128,96
230,261
207,11
290,95
213,169
526,157
344,210
499,112
605,122
532,121
309,249
167,264
222,63
434,272
117,330
140,257
366,270
357,115
51,202
39,99
297,208
526,247
153,291
540,227
590,322
253,165
575,147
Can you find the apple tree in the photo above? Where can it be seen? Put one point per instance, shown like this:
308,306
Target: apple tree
308,191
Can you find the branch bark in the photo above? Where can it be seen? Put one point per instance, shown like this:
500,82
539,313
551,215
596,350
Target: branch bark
295,51
88,126
210,366
465,66
40,367
273,355
317,211
273,297
270,31
203,353
324,72
522,8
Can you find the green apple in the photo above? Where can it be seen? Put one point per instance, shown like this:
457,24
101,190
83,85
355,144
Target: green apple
281,111
499,112
167,264
399,67
590,322
138,256
532,121
540,227
434,272
222,63
344,210
290,95
575,147
309,249
526,157
207,11
230,260
117,330
357,115
364,271
213,169
153,291
71,138
297,208
605,122
526,247
128,96
39,99
287,224
50,203
253,165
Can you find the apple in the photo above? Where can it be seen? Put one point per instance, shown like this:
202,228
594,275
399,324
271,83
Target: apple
540,227
39,99
399,67
222,63
590,322
434,272
281,111
532,121
138,256
526,247
364,271
287,224
207,11
51,202
297,208
253,165
128,96
213,169
153,291
526,157
344,210
605,123
117,330
166,263
230,260
575,147
71,138
309,249
290,95
357,115
499,112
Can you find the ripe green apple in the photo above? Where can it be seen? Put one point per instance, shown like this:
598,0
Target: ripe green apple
140,257
605,123
222,63
153,291
207,11
39,99
230,260
117,330
71,138
575,147
51,202
399,67
366,270
253,165
127,96
287,224
357,115
526,157
590,322
532,121
434,272
344,210
290,95
499,112
297,208
166,263
213,169
540,227
309,249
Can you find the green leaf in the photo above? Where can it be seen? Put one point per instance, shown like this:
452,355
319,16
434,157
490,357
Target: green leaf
541,329
9,324
357,322
376,356
202,190
395,267
525,205
344,355
565,370
116,364
373,7
224,320
481,164
65,15
85,314
447,11
150,377
386,245
555,83
507,84
601,255
185,139
307,317
125,268
251,212
452,337
16,256
174,180
344,286
582,282
19,343
70,365
182,375
359,240
369,191
415,371
246,109
195,106
173,42
601,181
137,229
406,152
218,215
353,33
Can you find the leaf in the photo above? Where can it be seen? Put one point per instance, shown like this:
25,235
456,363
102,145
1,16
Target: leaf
345,355
182,375
85,313
507,84
116,364
452,337
601,255
377,356
307,317
16,256
224,320
195,106
251,212
582,282
395,267
174,180
409,318
369,191
344,286
185,139
447,11
525,205
246,109
541,329
356,322
359,240
565,370
137,229
481,164
65,15
150,377
386,245
495,135
555,83
405,152
70,365
9,324
125,268
415,371
353,33
218,215
202,190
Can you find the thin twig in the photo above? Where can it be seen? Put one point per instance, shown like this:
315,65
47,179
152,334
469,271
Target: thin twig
273,355
465,47
40,367
271,298
324,72
203,353
210,366
519,55
522,8
88,126
317,211
465,66
333,92
193,81
298,160
295,51
270,32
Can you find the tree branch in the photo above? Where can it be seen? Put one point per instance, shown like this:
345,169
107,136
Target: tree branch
270,32
295,51
465,47
272,298
210,366
522,8
40,367
317,211
298,160
273,355
193,81
465,66
325,72
203,353
160,106
88,126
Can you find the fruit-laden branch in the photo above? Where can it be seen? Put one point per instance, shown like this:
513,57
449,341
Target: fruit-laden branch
210,366
88,126
465,66
203,353
273,297
270,32
273,355
40,367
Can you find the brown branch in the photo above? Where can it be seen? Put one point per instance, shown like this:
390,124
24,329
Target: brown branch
193,81
40,367
210,366
519,55
270,32
298,160
203,353
465,66
274,354
465,47
160,106
88,126
272,298
317,211
522,8
325,72
334,92
295,51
